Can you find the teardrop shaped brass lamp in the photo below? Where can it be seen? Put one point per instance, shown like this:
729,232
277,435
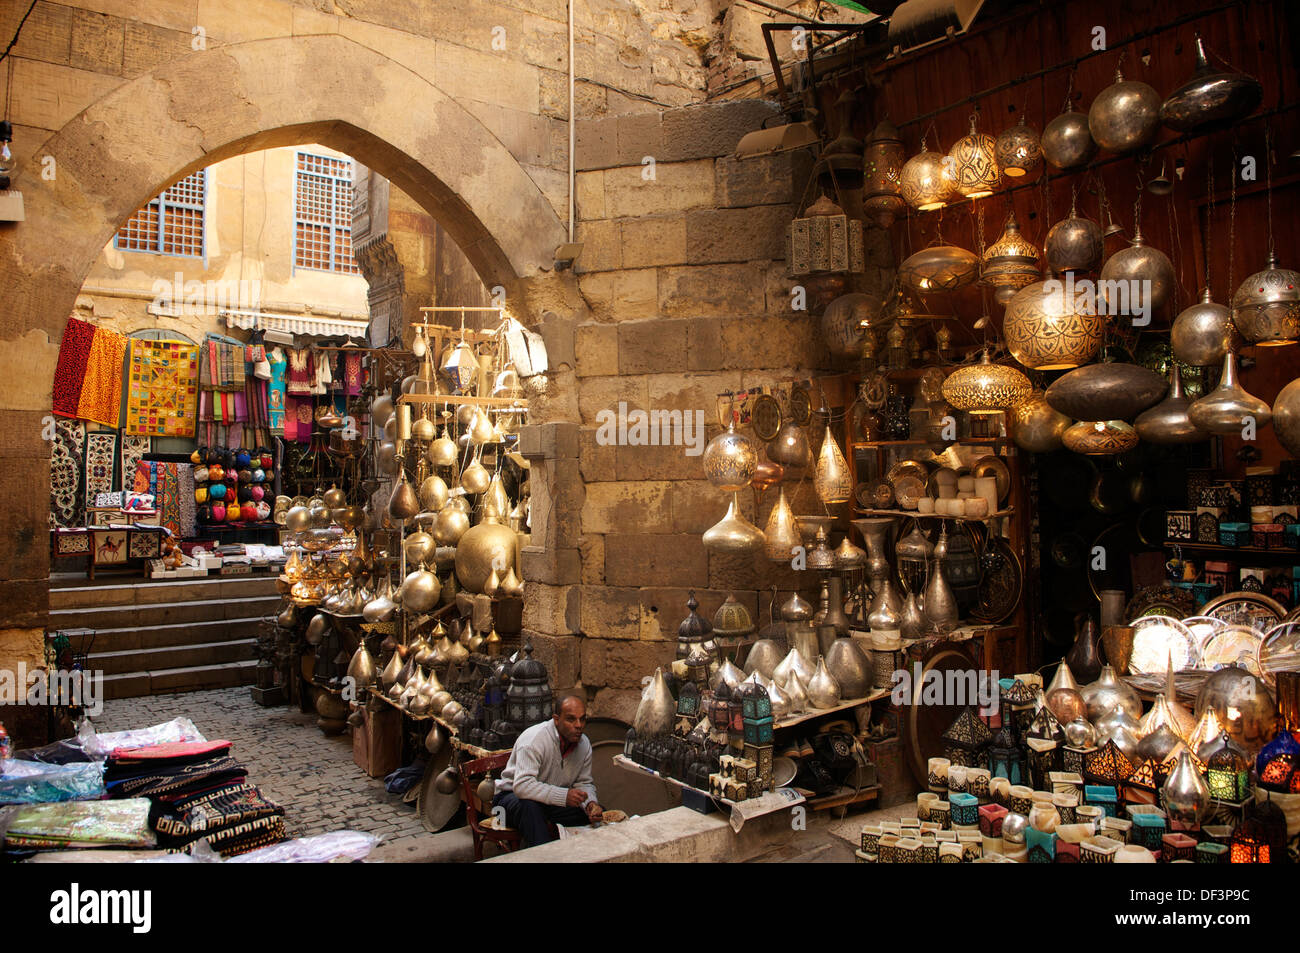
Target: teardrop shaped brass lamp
1229,408
781,535
733,535
833,482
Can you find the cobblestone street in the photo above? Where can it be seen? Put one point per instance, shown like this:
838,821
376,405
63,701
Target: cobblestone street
311,776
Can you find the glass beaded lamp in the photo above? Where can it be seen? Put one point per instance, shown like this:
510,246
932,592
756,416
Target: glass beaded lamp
986,388
924,184
974,170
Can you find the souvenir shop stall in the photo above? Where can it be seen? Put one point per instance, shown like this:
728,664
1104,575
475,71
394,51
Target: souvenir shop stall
403,605
1052,585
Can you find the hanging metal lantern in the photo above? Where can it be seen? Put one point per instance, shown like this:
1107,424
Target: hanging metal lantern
974,168
1286,418
1211,97
781,536
1125,115
1100,437
460,367
733,534
1167,421
833,482
939,268
986,388
1017,150
924,182
882,196
1074,243
1266,308
1066,141
1203,333
529,698
789,447
730,460
695,633
1106,391
1046,329
1036,426
1229,408
1010,263
845,322
1149,267
825,240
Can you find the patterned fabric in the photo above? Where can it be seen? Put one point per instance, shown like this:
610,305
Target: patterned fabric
101,392
352,374
70,373
302,373
145,478
132,452
168,499
220,811
186,521
164,389
101,461
67,463
275,393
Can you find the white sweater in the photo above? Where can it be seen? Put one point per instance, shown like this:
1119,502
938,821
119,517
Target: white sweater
536,772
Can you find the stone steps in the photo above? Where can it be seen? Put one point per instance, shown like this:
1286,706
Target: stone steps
167,681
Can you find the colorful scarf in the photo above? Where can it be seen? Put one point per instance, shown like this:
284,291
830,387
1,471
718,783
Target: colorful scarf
70,373
101,392
163,395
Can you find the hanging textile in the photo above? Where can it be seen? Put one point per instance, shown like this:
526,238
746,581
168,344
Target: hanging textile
132,452
163,395
187,520
67,495
101,459
302,372
101,391
275,394
70,373
351,374
168,498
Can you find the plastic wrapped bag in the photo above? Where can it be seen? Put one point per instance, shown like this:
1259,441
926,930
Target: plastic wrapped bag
317,849
100,746
31,782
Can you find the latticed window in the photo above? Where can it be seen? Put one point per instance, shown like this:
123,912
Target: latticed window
323,214
171,224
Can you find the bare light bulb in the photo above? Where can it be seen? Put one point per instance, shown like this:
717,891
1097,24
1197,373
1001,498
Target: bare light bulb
7,163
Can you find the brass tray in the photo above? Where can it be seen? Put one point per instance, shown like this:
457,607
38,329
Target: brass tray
993,466
1253,609
1163,599
766,417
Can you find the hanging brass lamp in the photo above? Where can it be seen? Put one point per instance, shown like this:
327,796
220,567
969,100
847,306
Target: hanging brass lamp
1066,141
882,196
1167,421
1017,150
974,168
1036,425
833,482
781,535
1100,437
939,268
986,388
730,460
825,240
1140,267
1074,244
923,182
1203,333
1046,329
1229,408
733,535
1010,263
1125,116
1266,307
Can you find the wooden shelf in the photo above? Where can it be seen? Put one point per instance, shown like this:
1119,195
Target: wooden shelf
792,720
520,403
916,514
871,444
1230,550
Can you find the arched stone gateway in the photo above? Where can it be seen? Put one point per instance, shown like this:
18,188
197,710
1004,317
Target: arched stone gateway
182,116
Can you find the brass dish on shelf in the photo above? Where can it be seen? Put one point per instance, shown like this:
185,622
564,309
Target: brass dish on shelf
908,490
1163,599
993,466
1253,609
766,417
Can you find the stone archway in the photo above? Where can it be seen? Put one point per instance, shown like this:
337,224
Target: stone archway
185,115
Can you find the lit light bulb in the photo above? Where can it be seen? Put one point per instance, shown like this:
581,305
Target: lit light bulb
7,163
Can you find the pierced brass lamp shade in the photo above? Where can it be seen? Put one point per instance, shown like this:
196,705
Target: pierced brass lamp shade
1045,329
1100,437
1229,408
833,482
986,388
939,268
923,182
1036,425
1018,151
882,195
781,534
1010,263
1140,267
733,535
974,167
1266,308
1074,244
730,460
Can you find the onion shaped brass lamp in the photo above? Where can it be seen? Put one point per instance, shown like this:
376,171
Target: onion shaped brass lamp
974,168
924,183
986,388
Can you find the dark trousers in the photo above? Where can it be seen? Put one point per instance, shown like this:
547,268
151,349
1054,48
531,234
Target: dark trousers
532,819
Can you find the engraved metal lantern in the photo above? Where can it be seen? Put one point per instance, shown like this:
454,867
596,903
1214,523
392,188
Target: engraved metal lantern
939,268
1074,244
1018,151
695,633
1010,263
966,740
1210,97
529,698
1266,307
1046,329
1100,437
833,481
1203,333
974,168
825,240
730,460
1125,116
925,184
986,388
1067,142
882,196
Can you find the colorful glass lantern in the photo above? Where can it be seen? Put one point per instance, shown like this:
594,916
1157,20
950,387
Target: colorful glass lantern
1147,777
719,709
688,700
1249,846
1108,765
966,739
1227,770
1263,831
964,808
755,702
1006,757
1278,764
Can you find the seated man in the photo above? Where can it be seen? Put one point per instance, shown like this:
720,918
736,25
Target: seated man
548,777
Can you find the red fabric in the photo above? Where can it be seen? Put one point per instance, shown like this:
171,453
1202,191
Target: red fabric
176,749
70,373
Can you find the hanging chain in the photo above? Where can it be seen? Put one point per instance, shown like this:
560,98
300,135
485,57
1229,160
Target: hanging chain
1232,220
1208,232
1069,91
979,228
1268,178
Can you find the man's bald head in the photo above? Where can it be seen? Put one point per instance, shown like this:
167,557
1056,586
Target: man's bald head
570,716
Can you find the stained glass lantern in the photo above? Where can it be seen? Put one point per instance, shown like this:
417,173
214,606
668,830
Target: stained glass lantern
1006,757
1146,779
1249,846
1261,836
529,698
688,700
1278,764
755,702
1108,765
1227,770
966,739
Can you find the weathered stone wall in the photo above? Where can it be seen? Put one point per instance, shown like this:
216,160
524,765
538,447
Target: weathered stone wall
683,275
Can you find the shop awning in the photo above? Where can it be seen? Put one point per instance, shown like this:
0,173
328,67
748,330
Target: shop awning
313,324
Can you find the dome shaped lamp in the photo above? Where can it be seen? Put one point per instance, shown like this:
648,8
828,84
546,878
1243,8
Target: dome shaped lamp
1100,437
1266,308
1048,330
939,268
974,167
1010,263
924,184
986,388
1018,151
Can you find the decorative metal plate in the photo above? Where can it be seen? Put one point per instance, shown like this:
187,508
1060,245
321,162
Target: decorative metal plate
800,405
1001,584
1162,600
908,490
879,495
908,468
766,417
931,385
874,391
992,466
435,810
1204,628
1158,639
1234,644
783,771
1279,651
1253,609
